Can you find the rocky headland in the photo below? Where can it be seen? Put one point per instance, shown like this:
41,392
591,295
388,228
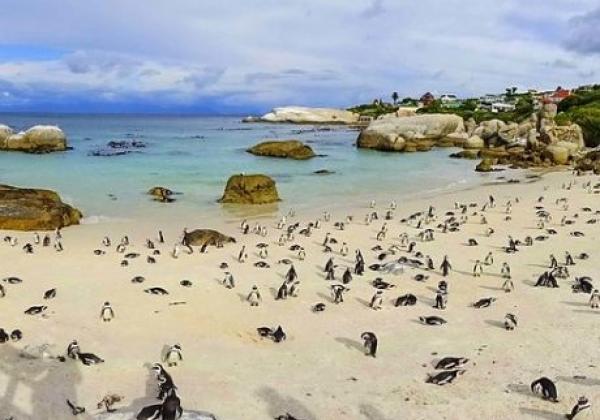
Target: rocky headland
306,115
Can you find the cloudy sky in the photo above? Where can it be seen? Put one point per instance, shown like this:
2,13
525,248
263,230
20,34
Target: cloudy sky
243,56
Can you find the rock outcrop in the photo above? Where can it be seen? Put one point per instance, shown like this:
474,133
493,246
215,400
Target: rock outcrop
291,149
406,134
162,194
474,142
201,237
250,189
38,139
305,115
589,162
34,209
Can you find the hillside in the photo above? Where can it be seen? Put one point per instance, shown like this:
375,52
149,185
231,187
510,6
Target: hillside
583,108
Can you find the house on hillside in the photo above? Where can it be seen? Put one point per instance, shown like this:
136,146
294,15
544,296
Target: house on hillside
496,103
558,95
426,99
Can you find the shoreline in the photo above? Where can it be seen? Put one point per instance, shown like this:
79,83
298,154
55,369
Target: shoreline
309,375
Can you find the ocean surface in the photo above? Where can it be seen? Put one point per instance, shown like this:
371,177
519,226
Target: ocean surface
196,155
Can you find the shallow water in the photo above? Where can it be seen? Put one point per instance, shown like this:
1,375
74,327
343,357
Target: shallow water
196,155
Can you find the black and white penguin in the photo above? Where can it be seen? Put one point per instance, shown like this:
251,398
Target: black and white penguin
582,404
318,307
2,291
406,300
156,291
89,359
16,335
173,355
279,335
510,322
445,377
107,313
546,388
165,381
369,343
150,412
73,349
171,406
36,310
484,303
432,320
3,336
12,280
50,294
451,362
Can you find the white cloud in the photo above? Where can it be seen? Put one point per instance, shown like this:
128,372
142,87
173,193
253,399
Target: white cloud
270,52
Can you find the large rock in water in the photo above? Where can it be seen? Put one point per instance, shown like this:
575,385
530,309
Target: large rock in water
201,237
304,115
38,139
33,209
394,134
250,189
292,149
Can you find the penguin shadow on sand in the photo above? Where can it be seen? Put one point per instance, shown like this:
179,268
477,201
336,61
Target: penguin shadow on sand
37,388
150,391
577,304
495,323
363,302
371,413
278,404
493,288
325,297
582,380
541,414
351,344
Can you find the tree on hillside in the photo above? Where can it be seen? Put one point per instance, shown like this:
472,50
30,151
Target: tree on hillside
395,97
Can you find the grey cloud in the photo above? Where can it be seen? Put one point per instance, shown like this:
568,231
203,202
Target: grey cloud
374,9
583,33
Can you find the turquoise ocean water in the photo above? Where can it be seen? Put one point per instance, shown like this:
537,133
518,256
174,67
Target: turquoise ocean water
195,155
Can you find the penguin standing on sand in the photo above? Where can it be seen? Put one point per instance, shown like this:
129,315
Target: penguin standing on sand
582,404
282,292
377,300
254,296
73,349
242,255
595,299
173,355
510,322
369,343
445,266
107,313
229,281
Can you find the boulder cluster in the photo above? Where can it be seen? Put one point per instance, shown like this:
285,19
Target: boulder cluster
536,142
37,139
34,209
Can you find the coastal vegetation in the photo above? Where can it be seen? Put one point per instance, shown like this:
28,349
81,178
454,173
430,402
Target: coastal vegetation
582,107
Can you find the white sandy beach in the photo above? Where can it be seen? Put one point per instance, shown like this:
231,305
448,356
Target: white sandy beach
320,371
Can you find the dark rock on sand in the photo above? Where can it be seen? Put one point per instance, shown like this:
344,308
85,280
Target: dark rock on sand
34,209
201,237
